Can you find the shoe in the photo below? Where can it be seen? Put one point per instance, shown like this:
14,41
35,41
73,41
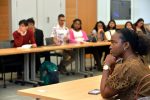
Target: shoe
62,69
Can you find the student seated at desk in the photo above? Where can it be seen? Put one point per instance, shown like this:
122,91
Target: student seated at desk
39,39
99,34
77,35
111,25
23,36
121,77
60,36
129,25
140,28
99,31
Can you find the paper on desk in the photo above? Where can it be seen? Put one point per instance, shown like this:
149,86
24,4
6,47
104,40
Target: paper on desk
26,46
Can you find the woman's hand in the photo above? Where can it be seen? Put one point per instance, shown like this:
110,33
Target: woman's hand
34,45
66,39
100,30
110,60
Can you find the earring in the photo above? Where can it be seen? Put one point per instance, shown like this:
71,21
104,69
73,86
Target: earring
124,49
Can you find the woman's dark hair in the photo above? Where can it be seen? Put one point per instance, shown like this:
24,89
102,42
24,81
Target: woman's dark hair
23,22
95,27
139,42
74,21
142,28
108,27
31,20
125,26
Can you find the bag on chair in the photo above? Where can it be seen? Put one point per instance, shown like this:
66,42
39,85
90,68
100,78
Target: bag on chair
49,73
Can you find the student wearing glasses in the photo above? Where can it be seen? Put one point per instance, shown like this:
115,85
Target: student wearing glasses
60,35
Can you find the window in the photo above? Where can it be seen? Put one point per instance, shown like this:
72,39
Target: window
120,9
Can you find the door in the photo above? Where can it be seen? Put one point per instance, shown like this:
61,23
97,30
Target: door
23,9
50,12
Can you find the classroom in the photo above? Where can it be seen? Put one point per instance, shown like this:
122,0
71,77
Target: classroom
74,50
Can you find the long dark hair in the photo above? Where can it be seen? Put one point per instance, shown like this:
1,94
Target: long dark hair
142,28
139,42
95,27
125,26
75,20
108,27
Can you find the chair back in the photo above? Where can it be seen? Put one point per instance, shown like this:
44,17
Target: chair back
6,44
139,87
49,41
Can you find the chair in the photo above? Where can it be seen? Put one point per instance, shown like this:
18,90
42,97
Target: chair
89,55
8,63
140,87
49,41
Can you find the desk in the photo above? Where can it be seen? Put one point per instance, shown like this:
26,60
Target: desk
13,51
72,90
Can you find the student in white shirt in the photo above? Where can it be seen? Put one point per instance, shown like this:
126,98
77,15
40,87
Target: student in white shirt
60,32
60,36
111,25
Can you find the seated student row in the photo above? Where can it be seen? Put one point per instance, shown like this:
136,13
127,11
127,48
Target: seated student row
27,33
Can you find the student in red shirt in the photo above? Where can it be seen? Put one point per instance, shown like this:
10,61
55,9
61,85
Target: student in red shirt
23,36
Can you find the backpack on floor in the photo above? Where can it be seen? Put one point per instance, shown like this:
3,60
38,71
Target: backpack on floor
49,73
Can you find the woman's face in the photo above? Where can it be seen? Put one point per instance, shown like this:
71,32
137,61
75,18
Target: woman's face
23,28
111,24
99,26
116,47
140,24
129,26
77,25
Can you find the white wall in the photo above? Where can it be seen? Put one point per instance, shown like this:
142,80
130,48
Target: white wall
22,9
139,9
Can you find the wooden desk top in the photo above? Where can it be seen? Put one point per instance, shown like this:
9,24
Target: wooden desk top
12,51
72,90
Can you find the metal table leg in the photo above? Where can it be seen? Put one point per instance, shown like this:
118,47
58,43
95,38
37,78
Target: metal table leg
26,67
82,54
26,79
33,69
77,61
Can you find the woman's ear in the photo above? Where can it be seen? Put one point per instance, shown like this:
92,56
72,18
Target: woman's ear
126,45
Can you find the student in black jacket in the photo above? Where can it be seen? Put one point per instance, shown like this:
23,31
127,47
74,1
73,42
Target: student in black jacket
39,38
